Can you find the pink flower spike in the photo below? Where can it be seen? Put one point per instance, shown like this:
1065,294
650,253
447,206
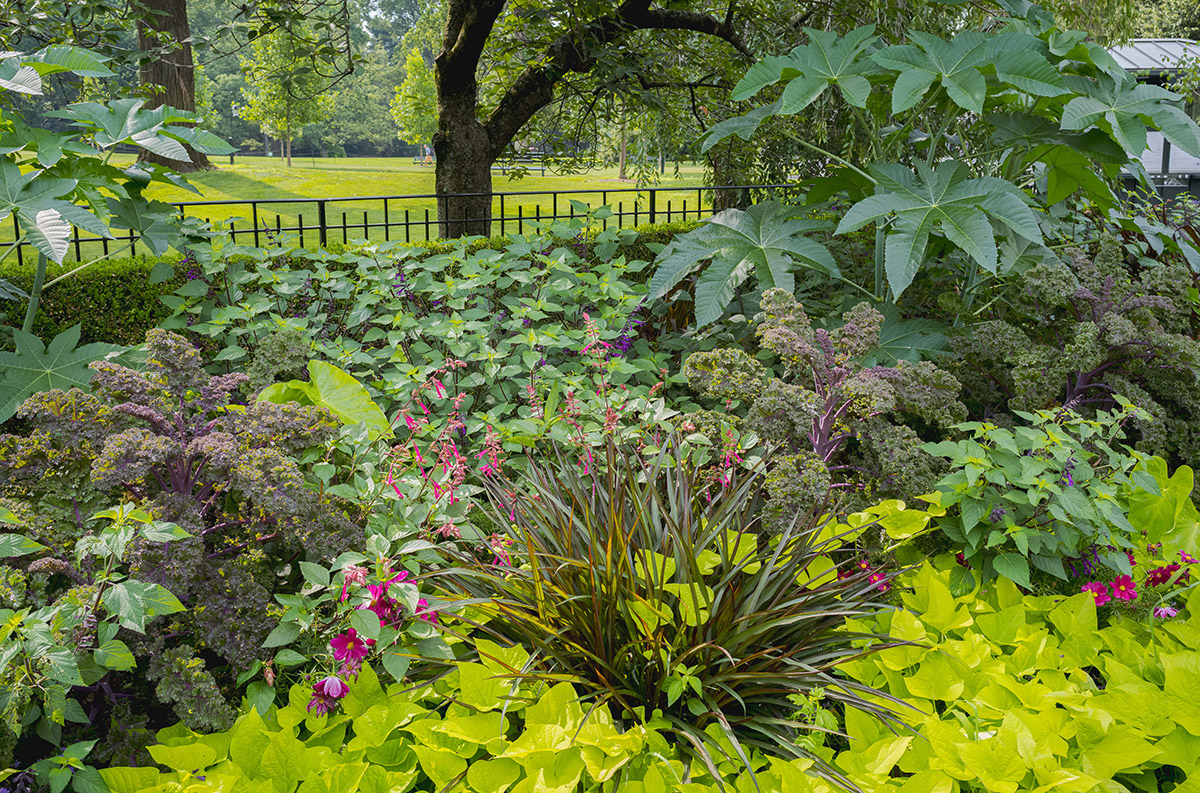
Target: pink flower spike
1097,590
1123,588
439,389
425,409
352,574
412,425
332,687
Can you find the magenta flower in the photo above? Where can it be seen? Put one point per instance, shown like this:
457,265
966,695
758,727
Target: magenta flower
332,687
1166,611
1098,590
1186,558
879,579
326,695
1161,575
426,613
348,646
1123,588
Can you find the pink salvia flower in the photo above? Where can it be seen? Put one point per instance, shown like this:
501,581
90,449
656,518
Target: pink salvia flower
352,574
412,425
439,389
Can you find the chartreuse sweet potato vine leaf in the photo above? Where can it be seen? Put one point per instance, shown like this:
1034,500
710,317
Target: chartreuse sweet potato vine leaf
939,199
37,367
765,240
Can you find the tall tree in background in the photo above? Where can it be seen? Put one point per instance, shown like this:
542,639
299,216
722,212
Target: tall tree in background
285,90
414,107
560,40
163,29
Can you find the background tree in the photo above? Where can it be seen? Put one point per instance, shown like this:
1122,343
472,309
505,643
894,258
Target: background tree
168,69
556,41
414,105
285,90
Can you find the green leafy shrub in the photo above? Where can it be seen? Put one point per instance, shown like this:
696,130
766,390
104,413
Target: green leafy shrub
1040,493
58,654
116,301
837,423
1026,693
655,589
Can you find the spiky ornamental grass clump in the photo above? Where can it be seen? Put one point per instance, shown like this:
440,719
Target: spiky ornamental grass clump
656,590
838,424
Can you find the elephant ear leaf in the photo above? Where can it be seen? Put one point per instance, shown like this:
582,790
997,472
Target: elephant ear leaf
766,240
335,390
38,367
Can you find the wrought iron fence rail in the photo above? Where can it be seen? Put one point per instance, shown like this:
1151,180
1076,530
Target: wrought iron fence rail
266,222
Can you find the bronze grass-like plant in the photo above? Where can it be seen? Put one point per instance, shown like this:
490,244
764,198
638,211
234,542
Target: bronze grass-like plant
655,588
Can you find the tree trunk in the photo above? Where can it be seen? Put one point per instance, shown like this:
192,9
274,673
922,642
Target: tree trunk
463,164
287,133
165,24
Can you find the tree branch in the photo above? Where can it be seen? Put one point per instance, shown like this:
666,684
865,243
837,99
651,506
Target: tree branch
533,89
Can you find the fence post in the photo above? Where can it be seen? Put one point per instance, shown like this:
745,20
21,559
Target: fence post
322,230
254,213
653,193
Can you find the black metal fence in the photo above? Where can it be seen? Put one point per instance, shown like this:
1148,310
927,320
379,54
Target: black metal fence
409,218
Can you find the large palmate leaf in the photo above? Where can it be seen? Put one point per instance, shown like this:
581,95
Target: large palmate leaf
1121,105
810,69
37,367
766,240
45,218
944,200
954,63
128,121
907,339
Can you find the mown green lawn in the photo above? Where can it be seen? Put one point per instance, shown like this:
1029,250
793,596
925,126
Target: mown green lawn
267,179
270,179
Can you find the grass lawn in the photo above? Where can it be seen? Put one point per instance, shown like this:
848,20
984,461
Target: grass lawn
264,179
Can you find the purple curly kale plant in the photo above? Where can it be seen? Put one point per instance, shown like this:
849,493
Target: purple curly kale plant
839,425
182,444
1077,333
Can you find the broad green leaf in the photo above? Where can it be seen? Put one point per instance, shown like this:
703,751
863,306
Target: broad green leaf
115,654
189,757
284,633
827,60
742,126
62,58
12,545
1014,567
765,239
36,367
939,199
954,63
19,78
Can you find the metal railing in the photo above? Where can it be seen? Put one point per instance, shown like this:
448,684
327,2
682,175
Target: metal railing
394,217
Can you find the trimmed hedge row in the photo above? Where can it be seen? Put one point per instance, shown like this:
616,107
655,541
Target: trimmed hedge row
116,303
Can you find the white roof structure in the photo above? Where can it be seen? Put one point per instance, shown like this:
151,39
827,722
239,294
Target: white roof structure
1154,56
